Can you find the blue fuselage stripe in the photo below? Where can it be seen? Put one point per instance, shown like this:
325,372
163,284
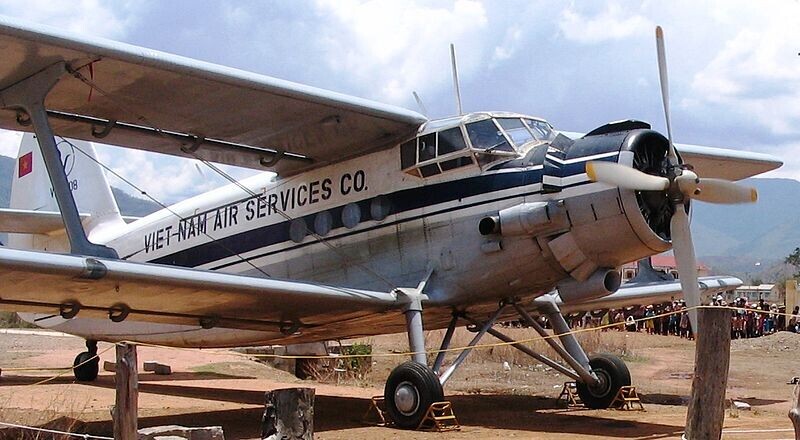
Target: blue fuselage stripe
399,202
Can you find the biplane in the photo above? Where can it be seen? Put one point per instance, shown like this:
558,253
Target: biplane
379,220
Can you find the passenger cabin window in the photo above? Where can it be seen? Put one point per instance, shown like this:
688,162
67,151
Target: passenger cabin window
435,153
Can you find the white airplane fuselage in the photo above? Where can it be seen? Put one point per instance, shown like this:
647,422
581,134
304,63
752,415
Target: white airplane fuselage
366,223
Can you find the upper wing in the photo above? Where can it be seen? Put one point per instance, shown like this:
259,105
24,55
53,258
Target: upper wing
726,164
47,283
631,294
721,163
184,107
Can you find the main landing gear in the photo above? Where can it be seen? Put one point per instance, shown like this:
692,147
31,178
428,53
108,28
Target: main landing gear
413,386
84,369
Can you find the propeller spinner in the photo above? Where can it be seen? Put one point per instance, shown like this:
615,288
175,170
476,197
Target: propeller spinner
681,184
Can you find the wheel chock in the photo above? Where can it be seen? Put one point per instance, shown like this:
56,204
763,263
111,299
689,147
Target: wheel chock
439,417
626,398
157,368
569,394
376,413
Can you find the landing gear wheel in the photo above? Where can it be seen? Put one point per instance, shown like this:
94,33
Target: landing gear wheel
613,375
410,390
88,371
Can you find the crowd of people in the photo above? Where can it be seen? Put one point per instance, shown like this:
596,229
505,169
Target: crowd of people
748,319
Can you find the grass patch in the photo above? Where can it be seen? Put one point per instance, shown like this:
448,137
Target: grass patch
11,320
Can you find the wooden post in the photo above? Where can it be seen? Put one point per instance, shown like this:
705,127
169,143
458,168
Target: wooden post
794,413
711,360
127,403
288,414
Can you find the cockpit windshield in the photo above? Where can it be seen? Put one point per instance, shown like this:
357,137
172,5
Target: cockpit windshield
488,134
485,135
541,130
516,130
456,144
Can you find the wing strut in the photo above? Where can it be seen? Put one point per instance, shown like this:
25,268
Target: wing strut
28,95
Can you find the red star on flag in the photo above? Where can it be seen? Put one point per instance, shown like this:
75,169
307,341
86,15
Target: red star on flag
25,164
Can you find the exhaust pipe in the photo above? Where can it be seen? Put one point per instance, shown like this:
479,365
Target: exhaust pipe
602,283
532,219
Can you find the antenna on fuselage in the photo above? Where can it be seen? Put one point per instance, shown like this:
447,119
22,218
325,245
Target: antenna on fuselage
455,79
421,105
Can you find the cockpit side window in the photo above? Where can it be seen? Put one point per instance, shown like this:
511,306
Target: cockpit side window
427,147
451,140
435,153
516,130
485,135
408,154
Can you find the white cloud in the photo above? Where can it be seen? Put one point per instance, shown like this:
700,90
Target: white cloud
91,17
757,73
613,23
400,46
168,179
508,47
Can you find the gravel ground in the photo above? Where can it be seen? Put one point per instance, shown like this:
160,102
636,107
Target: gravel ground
212,387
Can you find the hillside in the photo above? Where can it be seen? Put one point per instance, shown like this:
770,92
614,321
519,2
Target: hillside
767,230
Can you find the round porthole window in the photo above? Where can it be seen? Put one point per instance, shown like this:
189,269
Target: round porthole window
297,230
351,215
323,223
380,208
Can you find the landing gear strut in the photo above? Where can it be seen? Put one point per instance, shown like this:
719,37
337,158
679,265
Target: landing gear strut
412,387
87,371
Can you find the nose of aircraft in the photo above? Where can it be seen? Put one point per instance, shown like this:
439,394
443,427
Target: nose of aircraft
680,185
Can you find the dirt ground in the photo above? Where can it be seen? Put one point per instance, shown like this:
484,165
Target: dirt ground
215,387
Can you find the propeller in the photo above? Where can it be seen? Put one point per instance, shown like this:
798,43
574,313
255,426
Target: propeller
681,185
625,177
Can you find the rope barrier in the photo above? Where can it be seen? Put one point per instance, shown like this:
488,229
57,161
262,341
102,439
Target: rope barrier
430,352
62,373
410,353
53,431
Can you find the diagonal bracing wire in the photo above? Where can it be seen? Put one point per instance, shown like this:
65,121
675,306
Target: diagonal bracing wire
143,120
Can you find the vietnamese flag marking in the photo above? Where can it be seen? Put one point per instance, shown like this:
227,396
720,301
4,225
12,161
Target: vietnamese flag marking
25,164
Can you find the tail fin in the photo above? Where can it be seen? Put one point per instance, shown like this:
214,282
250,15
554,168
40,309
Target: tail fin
31,190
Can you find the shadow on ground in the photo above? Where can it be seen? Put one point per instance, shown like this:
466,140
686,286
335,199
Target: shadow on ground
525,413
106,380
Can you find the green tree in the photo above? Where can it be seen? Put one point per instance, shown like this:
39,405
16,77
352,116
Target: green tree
794,260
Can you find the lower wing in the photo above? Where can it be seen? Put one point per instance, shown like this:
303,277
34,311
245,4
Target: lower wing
655,292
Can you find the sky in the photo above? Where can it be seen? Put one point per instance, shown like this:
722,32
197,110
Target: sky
734,68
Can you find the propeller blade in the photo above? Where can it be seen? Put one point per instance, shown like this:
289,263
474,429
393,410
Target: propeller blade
724,191
662,76
683,248
624,177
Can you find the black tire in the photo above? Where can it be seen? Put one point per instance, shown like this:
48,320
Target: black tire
88,371
409,392
613,375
